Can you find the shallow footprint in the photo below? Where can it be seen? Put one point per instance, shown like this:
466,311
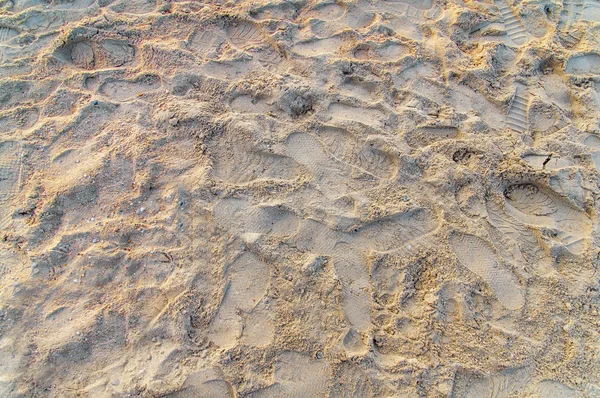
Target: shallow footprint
351,267
333,177
536,206
507,383
247,279
478,257
297,375
397,231
362,154
10,174
351,381
239,216
205,384
123,90
134,6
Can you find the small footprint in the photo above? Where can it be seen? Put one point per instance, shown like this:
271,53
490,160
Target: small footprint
243,34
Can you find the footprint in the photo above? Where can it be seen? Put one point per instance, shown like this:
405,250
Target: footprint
357,18
123,90
426,136
397,231
10,178
521,243
366,116
6,34
385,52
504,384
317,47
238,216
541,208
258,327
332,176
237,161
247,279
134,6
251,38
87,54
514,26
244,34
18,119
351,268
248,104
350,380
365,155
297,375
477,256
327,12
72,4
417,4
361,89
415,10
584,65
275,11
354,343
593,142
519,109
548,162
207,43
555,389
591,12
571,13
82,55
205,384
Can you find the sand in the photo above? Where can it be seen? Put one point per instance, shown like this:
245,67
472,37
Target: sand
368,198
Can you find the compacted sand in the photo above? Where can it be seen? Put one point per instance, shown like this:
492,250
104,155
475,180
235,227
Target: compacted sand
368,198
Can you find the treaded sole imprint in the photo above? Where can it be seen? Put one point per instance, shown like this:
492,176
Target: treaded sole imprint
478,257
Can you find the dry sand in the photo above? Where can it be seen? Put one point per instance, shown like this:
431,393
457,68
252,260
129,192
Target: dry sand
370,198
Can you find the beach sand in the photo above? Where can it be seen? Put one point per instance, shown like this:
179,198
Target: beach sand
368,198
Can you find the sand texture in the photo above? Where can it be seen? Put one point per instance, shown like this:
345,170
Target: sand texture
264,198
